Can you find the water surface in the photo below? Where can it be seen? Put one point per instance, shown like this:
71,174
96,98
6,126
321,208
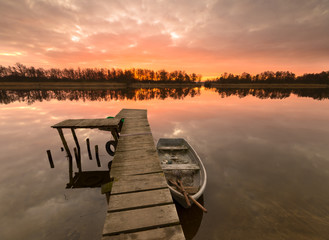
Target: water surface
266,158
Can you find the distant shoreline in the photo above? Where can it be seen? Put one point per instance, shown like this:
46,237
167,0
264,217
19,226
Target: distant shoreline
106,85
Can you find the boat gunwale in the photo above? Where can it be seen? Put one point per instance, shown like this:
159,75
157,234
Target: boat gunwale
203,179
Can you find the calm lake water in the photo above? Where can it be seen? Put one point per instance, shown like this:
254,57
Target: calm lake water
266,153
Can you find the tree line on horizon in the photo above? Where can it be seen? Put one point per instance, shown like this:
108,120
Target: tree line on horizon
271,77
20,72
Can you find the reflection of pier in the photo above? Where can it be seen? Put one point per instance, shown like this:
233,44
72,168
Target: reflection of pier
140,204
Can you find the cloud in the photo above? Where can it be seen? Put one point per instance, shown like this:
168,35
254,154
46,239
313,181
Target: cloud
208,36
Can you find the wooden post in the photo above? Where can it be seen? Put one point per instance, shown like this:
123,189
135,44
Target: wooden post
77,159
50,158
115,134
88,148
120,124
97,156
76,143
67,149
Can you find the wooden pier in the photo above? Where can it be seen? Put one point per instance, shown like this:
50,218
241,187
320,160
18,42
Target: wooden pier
140,203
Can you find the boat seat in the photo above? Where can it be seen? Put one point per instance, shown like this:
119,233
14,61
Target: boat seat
180,167
170,148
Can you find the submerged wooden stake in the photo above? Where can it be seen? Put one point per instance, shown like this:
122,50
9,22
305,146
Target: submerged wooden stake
50,158
88,148
97,156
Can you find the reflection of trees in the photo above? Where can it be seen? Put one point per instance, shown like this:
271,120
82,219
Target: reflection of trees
272,93
31,96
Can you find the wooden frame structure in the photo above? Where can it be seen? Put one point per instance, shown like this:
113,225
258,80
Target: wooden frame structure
106,124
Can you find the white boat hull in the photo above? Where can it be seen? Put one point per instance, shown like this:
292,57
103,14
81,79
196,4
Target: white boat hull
179,161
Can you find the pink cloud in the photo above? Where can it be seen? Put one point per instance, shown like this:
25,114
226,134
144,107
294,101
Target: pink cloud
206,37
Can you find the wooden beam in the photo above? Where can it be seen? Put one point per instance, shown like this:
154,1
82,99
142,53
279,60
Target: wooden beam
115,134
76,143
89,123
77,159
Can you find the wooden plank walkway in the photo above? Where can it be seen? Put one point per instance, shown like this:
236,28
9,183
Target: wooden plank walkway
140,205
89,123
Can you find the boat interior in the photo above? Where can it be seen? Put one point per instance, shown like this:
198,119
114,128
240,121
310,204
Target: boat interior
179,163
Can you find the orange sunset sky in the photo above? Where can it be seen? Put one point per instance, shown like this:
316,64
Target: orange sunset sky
207,37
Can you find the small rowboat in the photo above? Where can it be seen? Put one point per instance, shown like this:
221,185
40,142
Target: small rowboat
182,165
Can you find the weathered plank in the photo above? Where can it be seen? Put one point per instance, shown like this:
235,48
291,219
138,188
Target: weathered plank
132,113
129,143
166,233
135,183
137,151
132,126
180,166
137,122
135,155
134,130
67,123
136,162
140,219
122,162
88,123
136,139
135,134
140,199
170,148
135,170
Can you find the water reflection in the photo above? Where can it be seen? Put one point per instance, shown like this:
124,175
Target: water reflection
273,93
31,96
267,164
190,218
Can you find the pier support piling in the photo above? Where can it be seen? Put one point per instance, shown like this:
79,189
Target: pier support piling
69,155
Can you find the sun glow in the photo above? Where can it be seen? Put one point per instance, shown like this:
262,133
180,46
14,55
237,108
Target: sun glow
75,39
11,54
174,35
